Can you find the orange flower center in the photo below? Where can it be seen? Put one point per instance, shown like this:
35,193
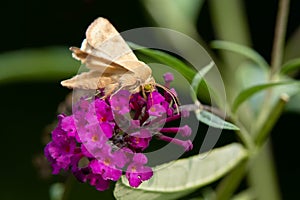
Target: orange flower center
95,138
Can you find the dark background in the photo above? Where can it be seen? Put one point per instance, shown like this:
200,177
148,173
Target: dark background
26,108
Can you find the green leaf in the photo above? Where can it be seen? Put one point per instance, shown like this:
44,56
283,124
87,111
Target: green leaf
292,46
247,93
185,70
250,74
124,192
244,195
214,121
51,63
198,78
290,66
180,15
183,176
189,8
242,50
178,65
167,59
293,104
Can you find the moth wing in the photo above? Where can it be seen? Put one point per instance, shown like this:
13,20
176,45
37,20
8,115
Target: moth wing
104,41
93,62
106,54
87,80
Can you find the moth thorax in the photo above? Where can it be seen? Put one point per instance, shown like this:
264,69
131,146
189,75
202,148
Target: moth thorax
144,72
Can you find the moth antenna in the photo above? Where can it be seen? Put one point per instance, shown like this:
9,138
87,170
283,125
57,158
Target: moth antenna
174,98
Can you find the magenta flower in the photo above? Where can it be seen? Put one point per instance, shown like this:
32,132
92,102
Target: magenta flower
94,138
68,125
59,154
168,77
103,111
185,131
106,169
98,182
140,140
61,150
137,172
109,135
120,102
155,98
157,110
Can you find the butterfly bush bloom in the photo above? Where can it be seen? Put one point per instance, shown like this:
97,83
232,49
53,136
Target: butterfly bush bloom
106,136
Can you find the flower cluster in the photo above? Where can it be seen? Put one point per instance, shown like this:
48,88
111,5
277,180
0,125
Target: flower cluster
104,137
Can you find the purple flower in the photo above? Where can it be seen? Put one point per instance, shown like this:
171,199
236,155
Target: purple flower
68,125
82,172
109,134
136,172
168,77
108,164
173,91
103,111
187,145
80,109
185,131
98,182
106,169
120,102
60,154
157,110
86,152
58,134
106,129
169,110
155,98
93,138
139,141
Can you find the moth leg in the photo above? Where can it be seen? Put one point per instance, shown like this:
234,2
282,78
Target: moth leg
143,92
110,90
104,81
108,84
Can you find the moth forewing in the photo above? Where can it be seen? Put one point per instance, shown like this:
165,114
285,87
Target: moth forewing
103,40
112,64
96,63
86,80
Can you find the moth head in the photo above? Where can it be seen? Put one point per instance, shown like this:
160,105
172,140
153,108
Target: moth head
149,87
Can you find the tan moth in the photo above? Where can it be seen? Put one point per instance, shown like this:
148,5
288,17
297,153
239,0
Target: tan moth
112,64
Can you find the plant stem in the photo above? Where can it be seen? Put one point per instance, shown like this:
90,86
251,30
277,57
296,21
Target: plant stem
273,114
245,137
230,183
276,61
262,176
279,37
243,134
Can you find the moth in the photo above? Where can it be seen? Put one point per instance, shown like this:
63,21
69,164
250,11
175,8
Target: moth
112,64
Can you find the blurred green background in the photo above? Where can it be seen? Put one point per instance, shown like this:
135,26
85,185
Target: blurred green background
29,102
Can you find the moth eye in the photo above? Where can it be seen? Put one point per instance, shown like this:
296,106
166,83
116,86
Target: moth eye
148,87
